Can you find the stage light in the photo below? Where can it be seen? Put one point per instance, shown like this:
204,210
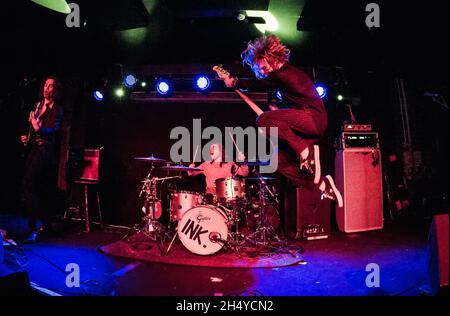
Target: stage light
202,82
119,92
130,81
143,84
279,95
271,24
321,90
340,97
163,87
60,6
241,17
98,95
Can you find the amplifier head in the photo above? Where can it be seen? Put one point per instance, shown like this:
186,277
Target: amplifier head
357,128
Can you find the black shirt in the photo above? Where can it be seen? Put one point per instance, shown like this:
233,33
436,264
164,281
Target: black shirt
50,122
297,89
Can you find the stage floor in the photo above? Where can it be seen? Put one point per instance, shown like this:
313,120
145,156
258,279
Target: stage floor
332,267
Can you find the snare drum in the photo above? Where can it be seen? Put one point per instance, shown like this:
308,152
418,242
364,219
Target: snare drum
230,189
181,201
204,229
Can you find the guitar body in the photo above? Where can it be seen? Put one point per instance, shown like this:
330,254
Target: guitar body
27,144
30,136
224,74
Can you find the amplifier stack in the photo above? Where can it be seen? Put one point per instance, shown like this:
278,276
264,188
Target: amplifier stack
358,175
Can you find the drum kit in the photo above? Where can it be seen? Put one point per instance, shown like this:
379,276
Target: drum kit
243,211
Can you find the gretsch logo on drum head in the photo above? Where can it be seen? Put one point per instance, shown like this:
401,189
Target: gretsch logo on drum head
201,218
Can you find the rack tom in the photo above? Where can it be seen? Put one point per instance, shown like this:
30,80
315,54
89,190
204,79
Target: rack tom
182,201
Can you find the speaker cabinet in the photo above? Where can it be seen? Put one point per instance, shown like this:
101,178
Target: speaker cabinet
2,251
306,215
358,177
313,215
438,254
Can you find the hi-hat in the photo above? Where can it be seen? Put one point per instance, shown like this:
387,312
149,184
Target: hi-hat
150,159
179,168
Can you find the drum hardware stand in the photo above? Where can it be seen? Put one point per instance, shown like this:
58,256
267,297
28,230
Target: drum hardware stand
150,223
171,242
265,232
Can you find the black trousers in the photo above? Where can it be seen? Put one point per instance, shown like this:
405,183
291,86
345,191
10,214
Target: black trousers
39,184
297,130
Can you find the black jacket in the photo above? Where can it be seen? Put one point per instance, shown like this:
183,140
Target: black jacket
297,89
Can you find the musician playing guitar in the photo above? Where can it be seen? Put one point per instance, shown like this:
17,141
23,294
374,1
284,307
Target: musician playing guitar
301,125
40,163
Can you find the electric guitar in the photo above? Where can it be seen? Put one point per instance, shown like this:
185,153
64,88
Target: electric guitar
31,134
224,74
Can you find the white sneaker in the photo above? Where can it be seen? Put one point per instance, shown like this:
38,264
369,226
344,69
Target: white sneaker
331,192
311,165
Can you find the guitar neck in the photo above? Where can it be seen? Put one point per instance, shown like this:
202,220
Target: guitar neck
222,73
250,103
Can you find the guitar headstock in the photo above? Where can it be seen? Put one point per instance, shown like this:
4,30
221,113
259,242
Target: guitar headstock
221,72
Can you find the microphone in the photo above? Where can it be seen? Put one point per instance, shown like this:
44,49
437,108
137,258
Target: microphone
429,94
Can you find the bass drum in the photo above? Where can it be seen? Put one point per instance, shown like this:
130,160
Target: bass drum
203,229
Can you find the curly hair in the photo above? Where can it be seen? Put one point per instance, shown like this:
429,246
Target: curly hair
267,47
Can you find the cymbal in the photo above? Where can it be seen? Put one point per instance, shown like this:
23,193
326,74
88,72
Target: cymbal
251,163
150,159
260,178
179,168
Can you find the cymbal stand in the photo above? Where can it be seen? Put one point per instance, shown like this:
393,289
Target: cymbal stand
264,233
161,233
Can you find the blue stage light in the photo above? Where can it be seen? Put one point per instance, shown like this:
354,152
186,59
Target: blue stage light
98,95
279,95
130,81
163,87
202,82
321,90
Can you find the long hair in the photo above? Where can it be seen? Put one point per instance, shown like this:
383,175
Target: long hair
267,47
58,88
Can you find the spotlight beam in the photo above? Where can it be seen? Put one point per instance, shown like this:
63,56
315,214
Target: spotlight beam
60,6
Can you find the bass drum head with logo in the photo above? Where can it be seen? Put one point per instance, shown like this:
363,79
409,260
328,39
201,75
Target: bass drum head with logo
200,226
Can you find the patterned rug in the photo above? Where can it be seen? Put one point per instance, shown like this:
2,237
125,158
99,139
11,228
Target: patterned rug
140,247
